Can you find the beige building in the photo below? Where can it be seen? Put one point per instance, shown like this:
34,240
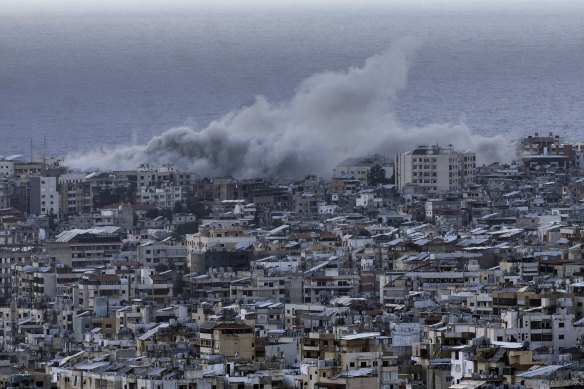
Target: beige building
216,239
435,168
109,286
75,194
228,339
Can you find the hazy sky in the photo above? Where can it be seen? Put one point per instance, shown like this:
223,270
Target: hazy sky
141,5
131,70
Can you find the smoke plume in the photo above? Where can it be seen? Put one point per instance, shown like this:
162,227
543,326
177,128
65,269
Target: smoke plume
332,116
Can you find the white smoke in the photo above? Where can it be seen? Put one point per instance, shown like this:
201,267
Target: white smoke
332,116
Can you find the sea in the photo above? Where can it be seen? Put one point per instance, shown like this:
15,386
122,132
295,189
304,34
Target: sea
81,79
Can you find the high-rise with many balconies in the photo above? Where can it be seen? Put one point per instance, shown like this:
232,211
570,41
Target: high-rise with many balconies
435,168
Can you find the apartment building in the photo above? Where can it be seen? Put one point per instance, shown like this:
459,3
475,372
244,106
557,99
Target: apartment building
228,339
164,176
44,196
33,282
435,168
547,145
152,253
6,191
165,197
265,288
9,257
327,284
75,194
536,326
92,287
85,248
156,287
217,239
319,346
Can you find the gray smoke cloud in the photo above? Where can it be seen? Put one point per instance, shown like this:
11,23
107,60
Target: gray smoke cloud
332,116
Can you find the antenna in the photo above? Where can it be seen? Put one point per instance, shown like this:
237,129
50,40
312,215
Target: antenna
44,150
30,150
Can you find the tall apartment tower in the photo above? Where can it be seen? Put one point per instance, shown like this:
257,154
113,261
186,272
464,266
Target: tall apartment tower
44,196
435,168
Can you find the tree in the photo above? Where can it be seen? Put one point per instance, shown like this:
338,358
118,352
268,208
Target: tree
183,229
195,207
376,175
187,228
178,207
155,212
364,232
152,213
167,213
107,196
52,221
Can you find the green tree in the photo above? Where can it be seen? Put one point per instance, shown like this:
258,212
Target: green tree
187,228
364,232
376,175
107,196
152,213
197,208
167,213
178,207
53,223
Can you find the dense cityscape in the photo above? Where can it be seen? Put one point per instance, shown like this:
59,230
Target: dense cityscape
425,269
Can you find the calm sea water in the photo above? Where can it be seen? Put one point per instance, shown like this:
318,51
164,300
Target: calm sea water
88,79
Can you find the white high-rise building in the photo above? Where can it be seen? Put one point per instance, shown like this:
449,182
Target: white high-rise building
44,196
435,168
